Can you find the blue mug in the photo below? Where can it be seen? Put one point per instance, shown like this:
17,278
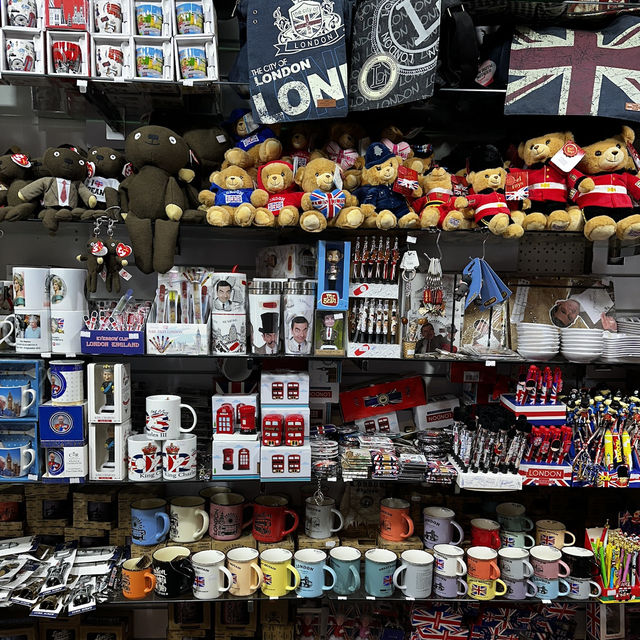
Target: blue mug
149,521
149,18
17,455
312,565
549,588
379,567
345,562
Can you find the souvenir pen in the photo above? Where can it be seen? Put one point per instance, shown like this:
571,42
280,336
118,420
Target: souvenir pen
122,303
395,257
387,257
521,388
536,440
379,260
385,322
364,260
393,330
544,444
371,263
356,261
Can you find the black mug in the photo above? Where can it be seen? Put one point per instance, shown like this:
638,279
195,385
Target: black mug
581,562
173,571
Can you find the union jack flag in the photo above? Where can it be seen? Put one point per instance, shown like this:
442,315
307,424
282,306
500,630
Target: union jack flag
593,621
558,71
387,581
198,582
560,611
435,620
329,204
547,540
267,579
479,590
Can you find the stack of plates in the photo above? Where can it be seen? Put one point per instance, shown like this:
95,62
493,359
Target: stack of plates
630,326
582,345
621,347
537,341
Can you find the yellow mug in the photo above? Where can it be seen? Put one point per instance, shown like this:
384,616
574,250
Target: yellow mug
485,589
276,567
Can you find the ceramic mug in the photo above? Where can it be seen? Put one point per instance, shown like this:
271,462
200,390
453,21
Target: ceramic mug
180,457
226,516
395,523
312,565
149,18
379,567
137,578
108,16
583,588
67,381
149,521
173,571
209,573
145,459
15,401
67,57
345,561
319,518
185,514
21,54
417,567
269,518
67,289
66,327
547,562
30,287
449,560
516,539
482,563
163,419
449,586
519,589
276,567
553,533
581,562
193,62
485,589
439,524
109,60
514,563
511,516
246,574
208,492
22,13
190,18
551,588
17,455
32,330
485,533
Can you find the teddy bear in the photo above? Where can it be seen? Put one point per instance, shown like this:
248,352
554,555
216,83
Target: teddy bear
276,199
298,142
547,185
323,203
63,190
152,195
393,138
95,259
116,259
106,167
228,200
15,174
603,184
383,207
487,178
438,207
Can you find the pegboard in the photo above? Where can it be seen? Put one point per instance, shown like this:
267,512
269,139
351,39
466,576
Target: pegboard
552,254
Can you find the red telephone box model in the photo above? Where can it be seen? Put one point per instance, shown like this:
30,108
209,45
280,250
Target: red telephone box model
243,459
277,464
294,430
247,418
272,430
277,390
294,463
293,391
224,419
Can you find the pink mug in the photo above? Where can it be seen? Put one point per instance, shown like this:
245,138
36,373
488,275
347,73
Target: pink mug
547,562
226,516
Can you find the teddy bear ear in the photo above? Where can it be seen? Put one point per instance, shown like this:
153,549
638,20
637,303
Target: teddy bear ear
568,136
628,134
471,175
299,177
521,150
214,176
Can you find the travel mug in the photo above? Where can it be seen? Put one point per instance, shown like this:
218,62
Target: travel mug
511,516
379,567
482,563
439,525
189,520
226,516
298,311
269,518
173,571
209,575
319,518
264,316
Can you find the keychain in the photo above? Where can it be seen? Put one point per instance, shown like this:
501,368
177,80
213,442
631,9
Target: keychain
95,256
433,295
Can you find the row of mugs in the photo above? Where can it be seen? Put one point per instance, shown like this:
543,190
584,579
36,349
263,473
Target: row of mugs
41,287
174,459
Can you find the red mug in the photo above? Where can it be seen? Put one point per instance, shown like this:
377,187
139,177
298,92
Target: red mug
67,57
226,516
269,518
9,511
485,533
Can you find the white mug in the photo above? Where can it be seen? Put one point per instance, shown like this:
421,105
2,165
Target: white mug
514,563
15,400
417,566
449,560
511,517
439,525
109,60
145,459
67,289
188,519
209,573
32,329
583,588
179,457
319,518
108,16
65,331
22,13
21,54
30,287
67,381
163,419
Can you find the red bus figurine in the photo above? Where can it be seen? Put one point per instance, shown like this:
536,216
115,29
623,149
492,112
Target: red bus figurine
277,464
243,459
247,418
294,463
383,425
277,390
293,391
294,430
224,419
272,430
370,426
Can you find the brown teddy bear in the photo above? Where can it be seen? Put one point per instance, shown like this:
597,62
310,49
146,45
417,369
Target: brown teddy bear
383,207
393,138
344,138
228,201
438,206
15,174
322,202
548,190
604,183
276,199
105,172
487,199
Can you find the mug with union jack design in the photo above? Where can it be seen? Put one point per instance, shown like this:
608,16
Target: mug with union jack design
163,420
485,589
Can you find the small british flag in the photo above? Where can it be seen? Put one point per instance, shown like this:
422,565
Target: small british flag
478,590
329,204
198,582
547,540
387,581
267,579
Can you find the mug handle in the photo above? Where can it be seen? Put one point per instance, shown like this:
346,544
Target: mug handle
195,418
294,515
465,587
356,579
396,575
165,525
184,567
531,594
150,579
260,575
332,573
565,566
340,519
598,592
462,566
504,587
573,539
205,523
494,571
32,393
227,573
458,528
562,582
32,453
11,330
409,522
296,578
528,524
495,540
528,569
533,541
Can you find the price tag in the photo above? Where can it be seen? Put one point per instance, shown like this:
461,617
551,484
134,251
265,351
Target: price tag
332,479
409,598
188,82
490,363
412,239
45,355
74,480
371,597
82,85
342,597
546,602
33,476
70,355
274,598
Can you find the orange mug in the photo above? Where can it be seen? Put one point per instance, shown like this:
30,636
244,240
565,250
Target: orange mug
482,563
395,523
137,578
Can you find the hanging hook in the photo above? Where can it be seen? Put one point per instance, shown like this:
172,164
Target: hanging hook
1,233
484,242
438,244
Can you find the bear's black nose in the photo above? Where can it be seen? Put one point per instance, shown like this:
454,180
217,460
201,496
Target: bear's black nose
100,158
68,161
614,152
152,136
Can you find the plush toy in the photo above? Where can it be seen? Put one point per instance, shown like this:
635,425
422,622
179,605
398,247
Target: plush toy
106,167
547,185
63,191
95,259
393,138
438,206
487,199
342,147
603,181
276,198
323,203
298,143
117,258
152,194
15,174
383,207
228,200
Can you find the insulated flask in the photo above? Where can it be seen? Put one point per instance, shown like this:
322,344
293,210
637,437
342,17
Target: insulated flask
299,298
265,301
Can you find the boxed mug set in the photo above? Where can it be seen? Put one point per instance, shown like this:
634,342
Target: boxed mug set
68,53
